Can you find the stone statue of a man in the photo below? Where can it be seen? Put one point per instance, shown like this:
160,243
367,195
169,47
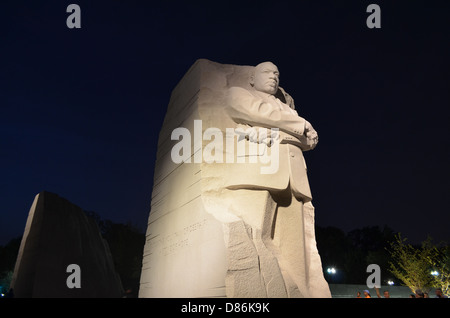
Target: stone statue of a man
276,208
231,215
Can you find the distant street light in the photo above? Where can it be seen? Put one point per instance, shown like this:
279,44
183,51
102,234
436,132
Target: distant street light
331,270
390,282
434,273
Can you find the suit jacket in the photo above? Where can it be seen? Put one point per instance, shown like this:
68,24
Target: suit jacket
258,109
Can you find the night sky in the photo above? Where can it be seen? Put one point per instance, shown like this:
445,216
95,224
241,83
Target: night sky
81,109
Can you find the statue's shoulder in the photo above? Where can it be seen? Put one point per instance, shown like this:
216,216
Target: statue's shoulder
239,91
287,98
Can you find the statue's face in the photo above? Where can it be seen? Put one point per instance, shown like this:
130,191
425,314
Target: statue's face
266,78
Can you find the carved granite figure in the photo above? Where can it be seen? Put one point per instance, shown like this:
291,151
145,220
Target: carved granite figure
223,226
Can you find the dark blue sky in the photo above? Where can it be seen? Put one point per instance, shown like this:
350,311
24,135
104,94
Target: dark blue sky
81,109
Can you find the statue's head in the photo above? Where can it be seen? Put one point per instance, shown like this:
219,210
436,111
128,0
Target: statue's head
265,78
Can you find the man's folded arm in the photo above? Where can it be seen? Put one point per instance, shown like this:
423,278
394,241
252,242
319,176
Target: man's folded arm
246,108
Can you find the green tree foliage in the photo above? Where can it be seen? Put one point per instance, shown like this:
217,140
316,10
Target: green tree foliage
413,265
441,265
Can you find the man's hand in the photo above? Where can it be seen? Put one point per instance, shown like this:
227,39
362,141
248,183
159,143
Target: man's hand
257,134
310,133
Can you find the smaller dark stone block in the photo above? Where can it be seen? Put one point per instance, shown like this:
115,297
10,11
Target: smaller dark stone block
57,234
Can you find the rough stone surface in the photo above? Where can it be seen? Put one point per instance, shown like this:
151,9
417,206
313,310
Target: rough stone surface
57,234
220,225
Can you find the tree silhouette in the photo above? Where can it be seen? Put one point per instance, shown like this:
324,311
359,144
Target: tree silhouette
126,243
351,253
